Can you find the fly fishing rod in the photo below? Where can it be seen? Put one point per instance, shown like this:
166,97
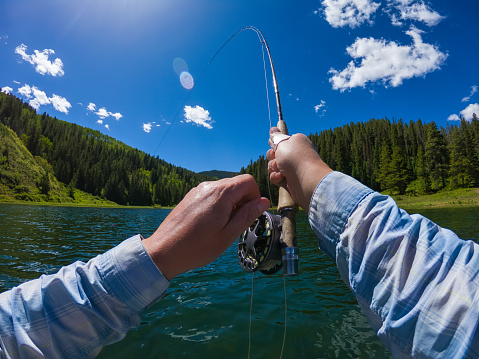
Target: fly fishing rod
270,243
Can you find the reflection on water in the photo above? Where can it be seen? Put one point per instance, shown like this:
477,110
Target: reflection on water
206,312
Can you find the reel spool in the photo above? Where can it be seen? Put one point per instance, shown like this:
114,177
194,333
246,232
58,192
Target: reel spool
259,247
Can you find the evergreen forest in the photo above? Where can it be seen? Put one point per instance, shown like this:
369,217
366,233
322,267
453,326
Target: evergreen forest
396,157
86,159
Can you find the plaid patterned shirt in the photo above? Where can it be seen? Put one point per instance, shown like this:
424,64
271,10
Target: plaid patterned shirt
83,307
417,283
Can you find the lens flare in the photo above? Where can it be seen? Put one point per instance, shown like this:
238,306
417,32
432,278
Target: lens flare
186,80
179,65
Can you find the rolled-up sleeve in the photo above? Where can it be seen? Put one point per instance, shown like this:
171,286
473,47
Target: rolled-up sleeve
417,283
83,307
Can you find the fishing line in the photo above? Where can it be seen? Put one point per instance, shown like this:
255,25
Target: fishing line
250,315
200,76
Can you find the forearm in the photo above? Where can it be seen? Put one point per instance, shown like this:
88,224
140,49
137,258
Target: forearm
81,308
416,282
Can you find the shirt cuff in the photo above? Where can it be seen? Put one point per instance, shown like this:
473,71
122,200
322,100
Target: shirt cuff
131,274
332,203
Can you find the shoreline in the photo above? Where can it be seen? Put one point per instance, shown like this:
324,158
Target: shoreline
464,197
84,205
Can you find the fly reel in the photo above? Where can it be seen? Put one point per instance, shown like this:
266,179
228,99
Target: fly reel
259,247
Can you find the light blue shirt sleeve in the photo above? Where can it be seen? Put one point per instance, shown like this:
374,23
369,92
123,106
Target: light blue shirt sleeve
83,307
417,283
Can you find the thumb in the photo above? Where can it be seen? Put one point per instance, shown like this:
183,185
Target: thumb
245,215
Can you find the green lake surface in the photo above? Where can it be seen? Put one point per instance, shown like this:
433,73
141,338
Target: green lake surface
206,313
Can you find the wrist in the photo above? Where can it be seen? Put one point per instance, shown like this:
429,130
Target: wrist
309,179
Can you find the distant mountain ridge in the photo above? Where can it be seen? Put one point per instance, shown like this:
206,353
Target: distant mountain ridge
219,174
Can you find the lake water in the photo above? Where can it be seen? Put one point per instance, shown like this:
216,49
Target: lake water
207,312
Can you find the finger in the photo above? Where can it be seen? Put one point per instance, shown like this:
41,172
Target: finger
276,178
245,215
241,189
270,155
272,166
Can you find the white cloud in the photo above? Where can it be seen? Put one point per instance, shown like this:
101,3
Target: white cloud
3,39
147,127
467,113
100,122
25,91
414,10
16,82
454,117
6,89
41,62
40,98
352,13
60,103
198,115
473,91
107,126
387,62
321,108
116,115
102,112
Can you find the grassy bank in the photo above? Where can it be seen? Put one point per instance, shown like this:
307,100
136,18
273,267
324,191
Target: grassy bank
464,197
80,199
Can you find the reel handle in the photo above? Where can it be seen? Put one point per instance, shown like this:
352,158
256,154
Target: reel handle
287,208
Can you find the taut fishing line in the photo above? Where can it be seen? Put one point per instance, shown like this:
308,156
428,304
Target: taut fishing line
263,246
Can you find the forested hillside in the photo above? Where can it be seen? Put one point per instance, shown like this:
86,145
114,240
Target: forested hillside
396,157
95,163
390,156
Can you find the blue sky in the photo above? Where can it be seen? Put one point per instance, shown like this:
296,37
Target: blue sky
127,67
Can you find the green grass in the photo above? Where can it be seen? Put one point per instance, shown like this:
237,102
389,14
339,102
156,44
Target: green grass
463,197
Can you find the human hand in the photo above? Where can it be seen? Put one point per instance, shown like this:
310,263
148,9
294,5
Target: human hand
295,160
204,224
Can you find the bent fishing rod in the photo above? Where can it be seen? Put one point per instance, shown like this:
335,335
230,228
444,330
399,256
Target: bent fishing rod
270,243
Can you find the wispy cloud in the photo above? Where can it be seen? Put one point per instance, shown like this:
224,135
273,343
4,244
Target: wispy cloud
7,89
147,127
102,112
198,115
39,98
352,13
39,59
3,40
473,91
387,62
467,113
412,10
321,108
